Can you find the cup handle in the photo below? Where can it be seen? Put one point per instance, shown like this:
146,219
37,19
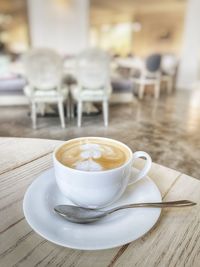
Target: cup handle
147,166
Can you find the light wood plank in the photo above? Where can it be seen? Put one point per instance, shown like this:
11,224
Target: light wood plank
15,152
164,177
13,185
176,239
21,246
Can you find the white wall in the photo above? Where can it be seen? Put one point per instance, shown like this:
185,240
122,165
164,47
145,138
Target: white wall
59,24
189,71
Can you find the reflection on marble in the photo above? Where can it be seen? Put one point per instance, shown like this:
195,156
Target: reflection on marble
168,129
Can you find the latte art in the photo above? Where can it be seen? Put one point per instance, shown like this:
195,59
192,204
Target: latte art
92,156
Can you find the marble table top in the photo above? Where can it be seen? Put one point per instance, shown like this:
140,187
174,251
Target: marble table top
173,241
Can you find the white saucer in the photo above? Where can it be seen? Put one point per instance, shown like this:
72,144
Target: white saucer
115,230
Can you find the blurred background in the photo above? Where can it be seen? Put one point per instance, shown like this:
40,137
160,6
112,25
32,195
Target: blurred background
151,97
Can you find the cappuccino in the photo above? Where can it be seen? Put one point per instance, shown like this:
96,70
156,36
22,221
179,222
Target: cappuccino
92,154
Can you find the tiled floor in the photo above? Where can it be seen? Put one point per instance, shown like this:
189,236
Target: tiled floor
168,129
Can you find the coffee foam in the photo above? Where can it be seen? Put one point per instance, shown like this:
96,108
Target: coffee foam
92,155
88,165
90,151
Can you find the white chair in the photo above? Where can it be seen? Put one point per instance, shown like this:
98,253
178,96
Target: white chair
44,69
149,75
93,81
169,65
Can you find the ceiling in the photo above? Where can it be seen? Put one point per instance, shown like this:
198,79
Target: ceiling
111,11
12,6
106,11
128,5
12,13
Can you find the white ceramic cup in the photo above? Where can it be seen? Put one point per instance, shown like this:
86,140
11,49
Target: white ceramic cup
97,189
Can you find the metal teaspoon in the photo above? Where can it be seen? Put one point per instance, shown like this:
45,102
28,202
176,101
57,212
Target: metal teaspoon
85,215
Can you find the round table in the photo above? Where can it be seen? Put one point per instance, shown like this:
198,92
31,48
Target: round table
174,240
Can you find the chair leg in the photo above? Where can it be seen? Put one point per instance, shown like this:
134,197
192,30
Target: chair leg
79,113
105,112
61,113
156,90
42,109
169,85
141,91
33,115
68,102
72,108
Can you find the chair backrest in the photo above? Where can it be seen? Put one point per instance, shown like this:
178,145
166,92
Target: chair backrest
43,69
5,63
169,64
93,69
153,63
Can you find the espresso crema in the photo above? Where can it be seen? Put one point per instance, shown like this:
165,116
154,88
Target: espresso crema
92,155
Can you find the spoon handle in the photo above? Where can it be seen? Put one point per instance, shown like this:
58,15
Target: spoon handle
177,204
